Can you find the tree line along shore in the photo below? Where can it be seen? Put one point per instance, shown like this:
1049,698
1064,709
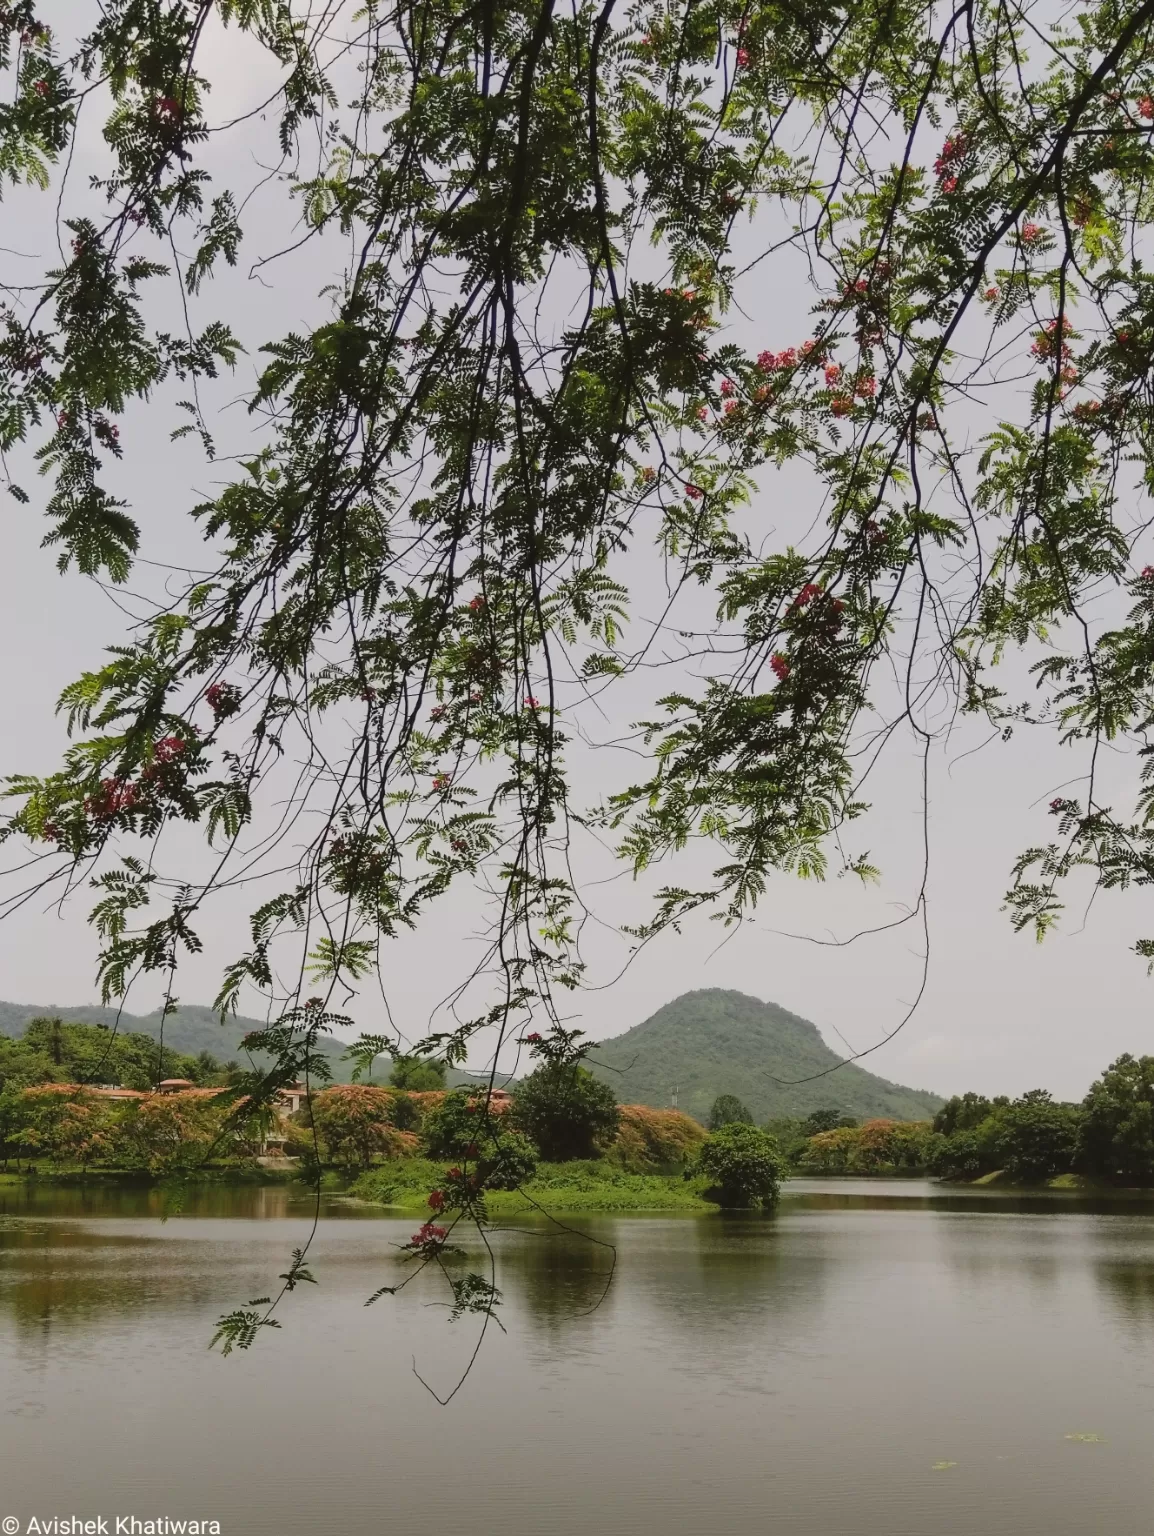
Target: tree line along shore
75,1101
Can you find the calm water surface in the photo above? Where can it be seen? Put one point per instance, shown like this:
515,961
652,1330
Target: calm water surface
800,1373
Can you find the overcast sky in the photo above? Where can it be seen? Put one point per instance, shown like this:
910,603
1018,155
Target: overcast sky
999,1013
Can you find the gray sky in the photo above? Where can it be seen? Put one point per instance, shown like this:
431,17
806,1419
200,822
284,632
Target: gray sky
999,1014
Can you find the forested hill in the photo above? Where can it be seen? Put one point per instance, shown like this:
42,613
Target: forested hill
190,1030
712,1042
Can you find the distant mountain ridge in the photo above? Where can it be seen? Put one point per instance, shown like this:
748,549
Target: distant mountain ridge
710,1042
190,1030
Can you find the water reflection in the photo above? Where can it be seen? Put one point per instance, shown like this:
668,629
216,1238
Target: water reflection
802,1371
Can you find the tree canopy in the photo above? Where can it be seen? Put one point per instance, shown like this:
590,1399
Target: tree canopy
529,394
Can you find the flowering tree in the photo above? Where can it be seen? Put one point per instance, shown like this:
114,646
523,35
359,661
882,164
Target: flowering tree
525,383
356,1123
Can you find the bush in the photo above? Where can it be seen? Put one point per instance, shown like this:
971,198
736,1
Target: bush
566,1111
743,1165
508,1162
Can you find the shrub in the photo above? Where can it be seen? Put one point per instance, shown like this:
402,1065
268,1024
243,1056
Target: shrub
652,1140
508,1162
743,1165
566,1111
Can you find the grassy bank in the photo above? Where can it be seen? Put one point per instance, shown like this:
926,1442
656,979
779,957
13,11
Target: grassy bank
581,1186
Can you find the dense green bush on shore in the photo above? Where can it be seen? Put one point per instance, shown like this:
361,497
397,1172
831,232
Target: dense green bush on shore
742,1166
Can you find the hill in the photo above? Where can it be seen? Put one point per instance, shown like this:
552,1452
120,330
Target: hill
712,1042
190,1030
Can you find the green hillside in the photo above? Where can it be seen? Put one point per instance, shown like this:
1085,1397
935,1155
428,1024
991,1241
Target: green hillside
712,1042
190,1030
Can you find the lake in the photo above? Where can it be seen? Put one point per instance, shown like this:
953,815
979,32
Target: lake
877,1358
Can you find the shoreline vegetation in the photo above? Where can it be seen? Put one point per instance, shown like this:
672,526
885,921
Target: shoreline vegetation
78,1105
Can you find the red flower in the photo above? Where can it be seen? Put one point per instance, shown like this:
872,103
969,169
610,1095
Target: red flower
436,1200
727,386
832,372
532,703
1148,573
742,57
842,405
867,388
534,1039
477,603
767,361
807,594
703,413
780,666
168,747
441,781
223,699
693,492
949,184
1030,232
41,87
991,294
1146,107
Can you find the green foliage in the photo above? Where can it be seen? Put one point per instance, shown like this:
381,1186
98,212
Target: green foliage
434,543
704,1042
599,1185
1037,1137
826,1119
56,1050
565,1111
1116,1138
965,1112
459,1121
417,1074
742,1166
728,1110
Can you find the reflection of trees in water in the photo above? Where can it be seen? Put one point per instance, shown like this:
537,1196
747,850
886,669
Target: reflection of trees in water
557,1276
54,1274
1129,1286
704,1273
